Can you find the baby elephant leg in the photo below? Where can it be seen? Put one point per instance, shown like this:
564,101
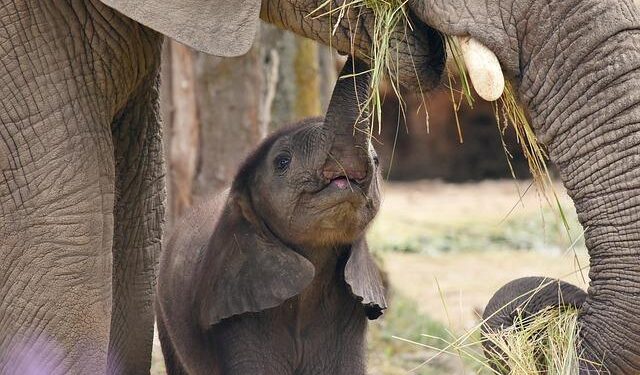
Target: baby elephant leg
250,346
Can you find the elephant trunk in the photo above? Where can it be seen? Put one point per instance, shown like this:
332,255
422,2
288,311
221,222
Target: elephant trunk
348,123
520,299
418,49
584,104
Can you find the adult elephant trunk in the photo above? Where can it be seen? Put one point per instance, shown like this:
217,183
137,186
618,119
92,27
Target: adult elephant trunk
418,50
348,125
579,80
517,301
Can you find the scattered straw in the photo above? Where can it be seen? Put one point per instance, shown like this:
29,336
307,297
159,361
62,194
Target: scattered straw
545,343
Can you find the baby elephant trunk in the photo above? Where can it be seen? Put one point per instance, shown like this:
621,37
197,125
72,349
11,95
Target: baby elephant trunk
347,120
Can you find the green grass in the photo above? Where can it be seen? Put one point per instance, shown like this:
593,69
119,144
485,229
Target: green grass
403,319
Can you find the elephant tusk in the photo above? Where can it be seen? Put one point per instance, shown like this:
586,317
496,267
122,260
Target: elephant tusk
483,67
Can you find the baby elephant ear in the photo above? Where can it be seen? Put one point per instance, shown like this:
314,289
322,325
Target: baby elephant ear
363,276
244,270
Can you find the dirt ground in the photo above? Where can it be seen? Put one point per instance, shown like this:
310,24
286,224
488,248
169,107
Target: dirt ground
446,248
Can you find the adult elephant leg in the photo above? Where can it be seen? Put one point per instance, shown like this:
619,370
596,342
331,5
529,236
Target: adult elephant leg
171,362
56,200
66,69
56,229
139,213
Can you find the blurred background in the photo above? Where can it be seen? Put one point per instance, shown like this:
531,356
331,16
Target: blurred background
454,225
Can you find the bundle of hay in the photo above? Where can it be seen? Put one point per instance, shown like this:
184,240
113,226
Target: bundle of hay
544,343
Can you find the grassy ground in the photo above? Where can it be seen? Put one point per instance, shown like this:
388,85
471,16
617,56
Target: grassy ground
446,249
434,218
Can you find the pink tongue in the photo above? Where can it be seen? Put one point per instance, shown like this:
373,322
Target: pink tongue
340,182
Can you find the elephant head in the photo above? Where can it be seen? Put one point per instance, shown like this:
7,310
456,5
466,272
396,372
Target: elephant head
305,190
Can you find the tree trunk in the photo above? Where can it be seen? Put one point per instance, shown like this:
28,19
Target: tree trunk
184,130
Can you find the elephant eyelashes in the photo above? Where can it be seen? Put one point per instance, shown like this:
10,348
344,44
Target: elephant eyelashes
282,162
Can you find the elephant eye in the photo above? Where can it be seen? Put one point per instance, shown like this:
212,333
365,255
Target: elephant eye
376,161
282,162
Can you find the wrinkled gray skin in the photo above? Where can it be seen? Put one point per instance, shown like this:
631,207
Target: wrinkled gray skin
275,277
576,64
81,191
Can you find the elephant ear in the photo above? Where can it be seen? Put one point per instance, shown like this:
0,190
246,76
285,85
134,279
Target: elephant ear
244,270
365,282
219,27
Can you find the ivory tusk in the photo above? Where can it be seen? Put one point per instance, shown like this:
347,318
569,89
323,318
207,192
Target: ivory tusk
483,67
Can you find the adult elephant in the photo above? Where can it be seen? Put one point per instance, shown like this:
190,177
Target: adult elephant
576,65
81,166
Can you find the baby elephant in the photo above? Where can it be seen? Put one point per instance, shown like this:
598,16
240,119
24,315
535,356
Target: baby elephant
275,277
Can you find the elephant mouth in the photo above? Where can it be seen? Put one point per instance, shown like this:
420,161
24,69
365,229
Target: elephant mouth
352,180
339,189
343,183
